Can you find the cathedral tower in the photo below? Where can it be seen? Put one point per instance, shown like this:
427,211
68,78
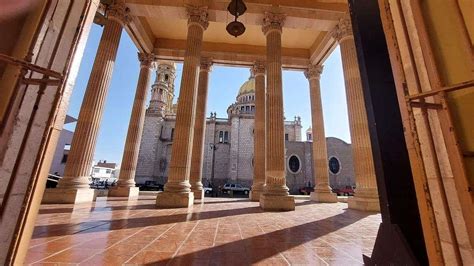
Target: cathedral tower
162,91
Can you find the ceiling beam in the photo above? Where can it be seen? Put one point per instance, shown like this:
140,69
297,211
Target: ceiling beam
322,48
231,54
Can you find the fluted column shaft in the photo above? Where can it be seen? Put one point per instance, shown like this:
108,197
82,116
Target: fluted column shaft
135,128
199,129
258,185
366,186
78,166
180,164
275,172
320,161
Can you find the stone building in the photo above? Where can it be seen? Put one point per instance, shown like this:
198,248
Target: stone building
229,142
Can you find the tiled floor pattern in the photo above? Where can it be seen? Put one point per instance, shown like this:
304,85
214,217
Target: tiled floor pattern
220,232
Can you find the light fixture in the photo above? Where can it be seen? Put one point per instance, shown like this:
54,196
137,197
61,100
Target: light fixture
236,8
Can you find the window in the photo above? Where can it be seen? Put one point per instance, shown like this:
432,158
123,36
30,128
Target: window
67,147
166,77
334,165
221,136
64,159
242,108
287,136
172,134
310,136
108,171
96,170
247,108
226,137
294,164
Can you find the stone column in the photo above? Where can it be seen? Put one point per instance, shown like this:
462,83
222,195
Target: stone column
199,130
322,190
126,183
276,196
366,195
74,186
258,186
177,190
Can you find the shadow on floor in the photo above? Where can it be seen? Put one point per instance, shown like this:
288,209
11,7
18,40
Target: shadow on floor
108,225
260,247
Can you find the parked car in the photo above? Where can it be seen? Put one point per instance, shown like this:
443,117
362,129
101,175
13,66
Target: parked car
347,191
306,190
52,180
235,188
151,186
207,190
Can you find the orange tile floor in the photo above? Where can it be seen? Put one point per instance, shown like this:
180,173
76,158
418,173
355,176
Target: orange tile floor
222,231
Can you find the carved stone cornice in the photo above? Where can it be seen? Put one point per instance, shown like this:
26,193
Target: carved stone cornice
197,16
206,64
273,22
258,68
147,60
313,72
120,13
343,30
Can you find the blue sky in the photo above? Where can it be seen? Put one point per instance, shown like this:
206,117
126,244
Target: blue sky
223,87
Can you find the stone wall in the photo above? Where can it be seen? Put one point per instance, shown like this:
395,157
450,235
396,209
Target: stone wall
342,151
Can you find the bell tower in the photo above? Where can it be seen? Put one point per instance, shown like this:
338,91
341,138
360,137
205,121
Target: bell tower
162,90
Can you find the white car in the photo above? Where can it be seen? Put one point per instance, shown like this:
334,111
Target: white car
235,188
207,190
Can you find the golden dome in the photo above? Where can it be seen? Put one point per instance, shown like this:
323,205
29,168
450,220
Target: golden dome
247,87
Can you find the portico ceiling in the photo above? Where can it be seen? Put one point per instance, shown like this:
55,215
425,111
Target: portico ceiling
161,26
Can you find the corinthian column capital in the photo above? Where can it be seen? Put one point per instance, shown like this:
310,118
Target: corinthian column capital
343,30
120,13
206,64
313,72
272,22
197,16
258,68
147,60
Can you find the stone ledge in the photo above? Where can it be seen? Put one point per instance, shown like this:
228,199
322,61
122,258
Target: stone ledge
364,204
327,197
68,195
277,203
174,200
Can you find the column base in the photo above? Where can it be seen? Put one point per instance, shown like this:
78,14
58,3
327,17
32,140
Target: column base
364,204
198,193
327,197
277,203
174,199
68,195
255,195
129,192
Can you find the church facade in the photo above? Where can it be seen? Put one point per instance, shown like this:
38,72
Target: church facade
228,144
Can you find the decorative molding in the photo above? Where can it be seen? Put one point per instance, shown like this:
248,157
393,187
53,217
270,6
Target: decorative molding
147,60
273,22
206,64
313,72
197,16
258,69
343,30
120,13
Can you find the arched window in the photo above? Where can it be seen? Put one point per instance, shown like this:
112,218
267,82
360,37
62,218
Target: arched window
294,164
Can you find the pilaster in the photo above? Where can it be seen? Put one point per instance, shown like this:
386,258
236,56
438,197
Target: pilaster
178,189
366,194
